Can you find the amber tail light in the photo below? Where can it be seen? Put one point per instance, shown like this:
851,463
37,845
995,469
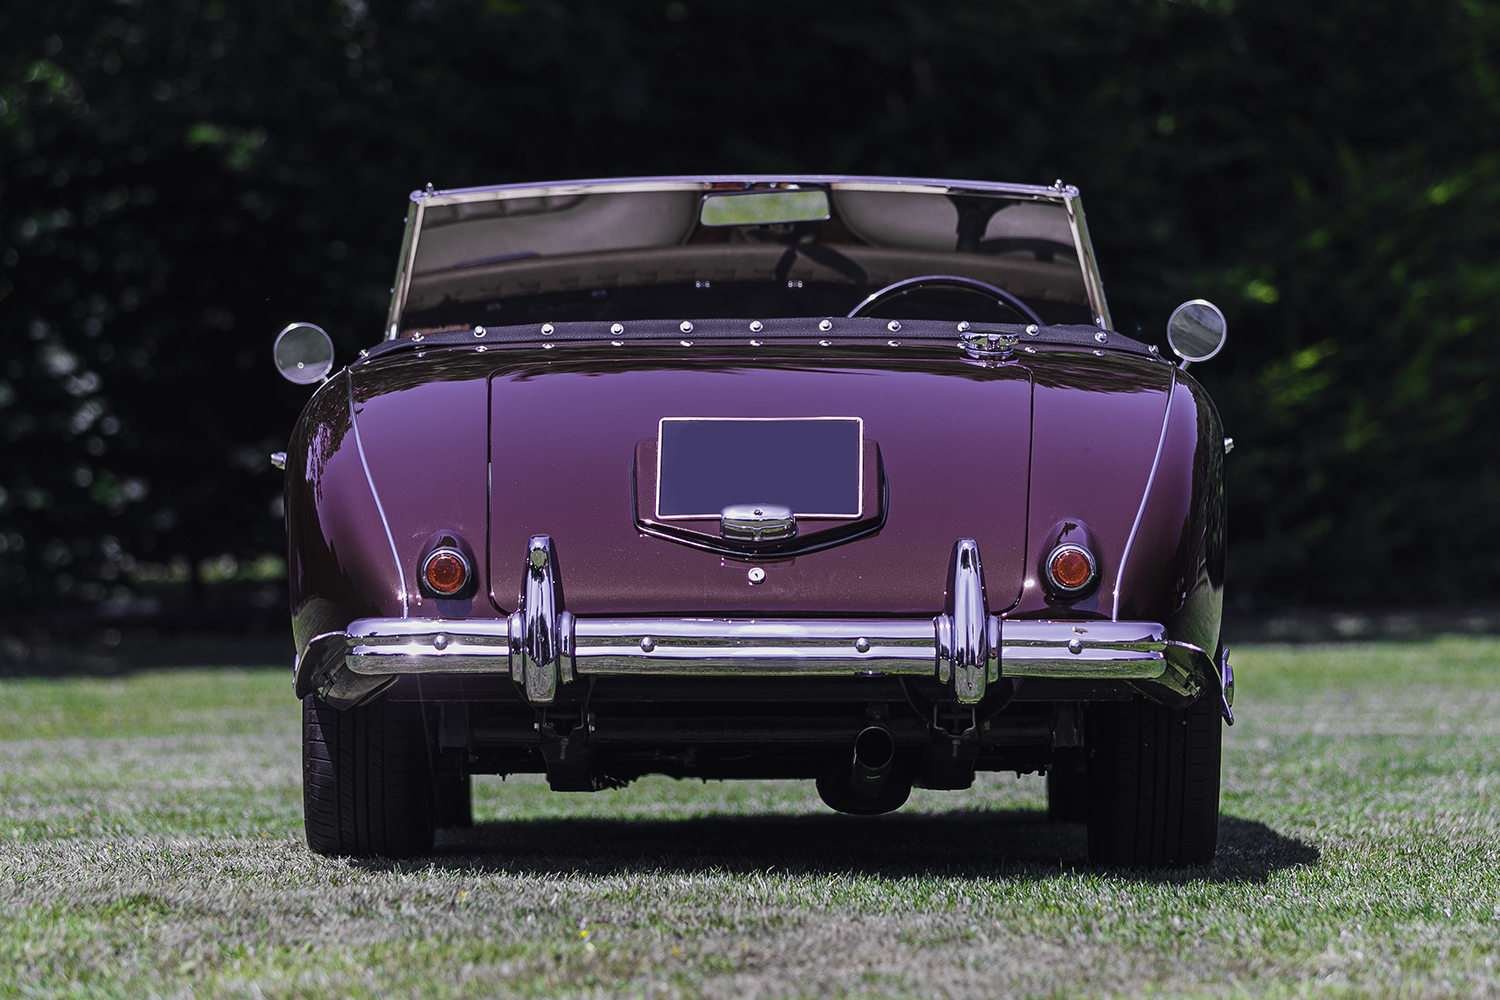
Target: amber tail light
446,571
1071,569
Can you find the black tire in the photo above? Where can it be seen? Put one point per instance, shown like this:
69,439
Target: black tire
1068,793
1153,783
455,801
366,785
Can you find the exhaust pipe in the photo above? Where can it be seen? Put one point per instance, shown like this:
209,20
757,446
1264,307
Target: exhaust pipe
874,753
867,782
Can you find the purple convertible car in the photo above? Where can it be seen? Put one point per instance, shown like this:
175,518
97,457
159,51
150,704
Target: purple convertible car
845,479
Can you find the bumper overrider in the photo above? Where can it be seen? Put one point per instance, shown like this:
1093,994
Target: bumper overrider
544,647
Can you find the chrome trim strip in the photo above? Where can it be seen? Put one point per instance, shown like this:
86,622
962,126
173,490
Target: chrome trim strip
699,182
689,646
1145,497
404,265
424,645
1092,649
379,507
382,631
755,663
417,658
1093,282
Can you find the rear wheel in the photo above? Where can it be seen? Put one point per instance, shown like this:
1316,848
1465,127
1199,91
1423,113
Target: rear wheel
366,779
1153,783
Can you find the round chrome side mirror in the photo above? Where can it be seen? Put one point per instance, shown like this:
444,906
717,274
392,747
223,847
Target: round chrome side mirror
303,353
1196,330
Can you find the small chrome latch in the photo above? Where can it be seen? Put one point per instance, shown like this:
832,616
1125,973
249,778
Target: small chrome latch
989,345
757,522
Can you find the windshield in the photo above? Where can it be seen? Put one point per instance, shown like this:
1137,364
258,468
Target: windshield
713,250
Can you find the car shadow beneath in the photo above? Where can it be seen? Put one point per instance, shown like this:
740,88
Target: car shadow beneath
1016,844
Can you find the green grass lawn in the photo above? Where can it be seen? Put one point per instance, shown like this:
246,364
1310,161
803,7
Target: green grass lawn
151,844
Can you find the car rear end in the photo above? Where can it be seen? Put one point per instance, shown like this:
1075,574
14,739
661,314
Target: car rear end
874,551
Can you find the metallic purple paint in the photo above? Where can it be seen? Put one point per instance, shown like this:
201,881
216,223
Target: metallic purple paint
557,430
1095,425
564,439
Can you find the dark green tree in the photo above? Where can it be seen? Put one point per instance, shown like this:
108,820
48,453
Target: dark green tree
180,178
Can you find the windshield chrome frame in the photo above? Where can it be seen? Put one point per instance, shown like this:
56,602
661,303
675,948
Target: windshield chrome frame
1065,195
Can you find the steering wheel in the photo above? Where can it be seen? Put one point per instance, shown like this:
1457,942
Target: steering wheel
899,288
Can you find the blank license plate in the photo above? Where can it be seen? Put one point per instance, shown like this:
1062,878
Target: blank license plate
814,465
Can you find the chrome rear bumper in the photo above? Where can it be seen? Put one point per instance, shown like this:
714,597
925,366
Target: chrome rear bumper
761,647
543,647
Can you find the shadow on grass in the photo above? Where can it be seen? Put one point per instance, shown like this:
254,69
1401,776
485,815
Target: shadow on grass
1015,844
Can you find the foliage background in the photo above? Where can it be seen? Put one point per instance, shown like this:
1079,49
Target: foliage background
180,178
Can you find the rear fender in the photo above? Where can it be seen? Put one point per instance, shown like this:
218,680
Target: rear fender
1174,571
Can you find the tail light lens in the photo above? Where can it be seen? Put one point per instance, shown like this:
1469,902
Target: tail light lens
1071,569
446,571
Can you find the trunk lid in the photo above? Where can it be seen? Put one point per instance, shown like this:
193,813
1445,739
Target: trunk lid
954,439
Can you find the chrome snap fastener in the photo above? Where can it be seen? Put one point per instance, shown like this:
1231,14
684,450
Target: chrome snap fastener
756,575
862,645
647,644
440,641
1075,646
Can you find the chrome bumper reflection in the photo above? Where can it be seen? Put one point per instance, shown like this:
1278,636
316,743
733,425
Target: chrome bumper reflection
759,647
421,645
